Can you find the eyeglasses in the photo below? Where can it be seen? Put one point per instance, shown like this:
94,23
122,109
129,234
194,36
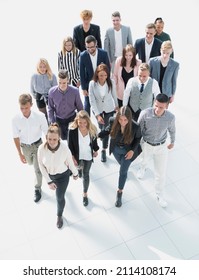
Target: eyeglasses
91,47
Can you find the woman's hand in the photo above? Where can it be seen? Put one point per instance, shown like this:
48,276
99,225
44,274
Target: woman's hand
100,119
129,154
52,186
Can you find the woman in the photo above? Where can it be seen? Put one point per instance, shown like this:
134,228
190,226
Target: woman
41,82
126,67
103,100
68,59
56,163
124,144
82,141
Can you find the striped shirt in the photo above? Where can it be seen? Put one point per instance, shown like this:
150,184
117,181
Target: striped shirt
154,129
70,62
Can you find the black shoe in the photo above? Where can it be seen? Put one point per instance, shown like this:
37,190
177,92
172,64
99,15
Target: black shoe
118,202
59,221
37,196
85,200
103,156
80,173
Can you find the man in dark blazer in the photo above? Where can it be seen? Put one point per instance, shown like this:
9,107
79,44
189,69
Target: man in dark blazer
89,60
149,46
80,32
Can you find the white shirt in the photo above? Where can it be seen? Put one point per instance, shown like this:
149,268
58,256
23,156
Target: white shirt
148,48
118,43
30,129
84,146
94,60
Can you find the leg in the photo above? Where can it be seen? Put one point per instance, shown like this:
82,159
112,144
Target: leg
86,179
147,151
87,104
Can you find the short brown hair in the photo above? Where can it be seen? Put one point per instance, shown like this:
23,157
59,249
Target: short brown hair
25,98
85,14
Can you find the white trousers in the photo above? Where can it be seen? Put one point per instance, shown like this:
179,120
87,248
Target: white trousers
159,155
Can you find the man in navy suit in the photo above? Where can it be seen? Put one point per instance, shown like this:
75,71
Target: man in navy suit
81,31
89,60
149,46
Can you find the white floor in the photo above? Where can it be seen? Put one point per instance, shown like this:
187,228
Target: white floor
139,230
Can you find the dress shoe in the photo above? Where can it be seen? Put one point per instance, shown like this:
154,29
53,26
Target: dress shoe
103,156
162,202
85,200
59,221
37,196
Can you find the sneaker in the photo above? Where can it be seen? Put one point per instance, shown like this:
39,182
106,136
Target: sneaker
162,202
103,156
140,173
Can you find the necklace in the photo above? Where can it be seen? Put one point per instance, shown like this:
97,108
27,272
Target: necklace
53,149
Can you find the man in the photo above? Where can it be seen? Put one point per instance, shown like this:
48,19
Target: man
116,38
81,31
140,91
63,102
28,127
155,123
89,60
149,46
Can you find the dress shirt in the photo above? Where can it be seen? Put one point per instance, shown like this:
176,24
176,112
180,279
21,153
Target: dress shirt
154,129
63,104
30,129
148,48
55,162
40,83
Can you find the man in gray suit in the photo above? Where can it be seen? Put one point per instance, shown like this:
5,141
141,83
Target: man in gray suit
165,69
116,38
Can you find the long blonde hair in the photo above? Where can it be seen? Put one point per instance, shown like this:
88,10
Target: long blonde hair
48,69
92,129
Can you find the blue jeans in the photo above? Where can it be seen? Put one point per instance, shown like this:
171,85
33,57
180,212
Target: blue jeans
61,180
85,165
119,154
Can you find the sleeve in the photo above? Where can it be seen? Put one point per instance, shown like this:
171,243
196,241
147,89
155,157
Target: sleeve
114,93
172,130
70,163
129,39
50,108
78,102
32,91
92,98
44,124
99,42
82,72
175,75
155,88
136,141
60,61
127,92
40,155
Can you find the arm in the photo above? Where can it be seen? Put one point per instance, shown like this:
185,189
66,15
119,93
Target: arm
17,144
32,86
127,92
51,109
172,131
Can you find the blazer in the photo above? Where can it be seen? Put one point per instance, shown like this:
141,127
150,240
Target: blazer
169,80
117,76
86,68
99,104
73,143
78,36
109,40
140,48
134,145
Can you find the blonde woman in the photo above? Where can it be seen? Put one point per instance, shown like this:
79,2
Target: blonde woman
82,141
56,164
126,67
41,82
68,59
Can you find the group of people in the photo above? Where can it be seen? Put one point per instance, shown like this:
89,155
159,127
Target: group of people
126,87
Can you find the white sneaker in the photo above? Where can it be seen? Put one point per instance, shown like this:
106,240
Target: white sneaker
162,202
140,173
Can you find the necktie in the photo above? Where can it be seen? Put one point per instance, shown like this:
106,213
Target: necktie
142,88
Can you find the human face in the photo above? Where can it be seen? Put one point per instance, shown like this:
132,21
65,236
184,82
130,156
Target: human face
159,27
123,121
143,76
82,124
102,76
26,109
150,33
91,48
42,68
68,46
165,53
159,108
86,22
116,23
63,84
128,56
52,139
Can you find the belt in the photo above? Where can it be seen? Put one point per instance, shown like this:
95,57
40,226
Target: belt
155,144
34,143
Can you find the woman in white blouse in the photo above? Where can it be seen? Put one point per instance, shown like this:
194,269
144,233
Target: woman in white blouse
56,164
103,100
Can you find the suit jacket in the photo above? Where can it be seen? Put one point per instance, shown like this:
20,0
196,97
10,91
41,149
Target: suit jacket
73,143
109,40
78,36
170,75
134,145
140,48
86,68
